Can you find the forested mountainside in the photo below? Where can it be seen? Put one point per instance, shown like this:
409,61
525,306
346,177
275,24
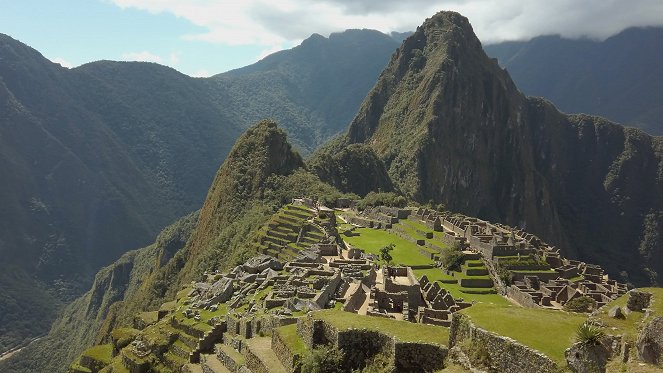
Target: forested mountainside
620,78
97,159
451,127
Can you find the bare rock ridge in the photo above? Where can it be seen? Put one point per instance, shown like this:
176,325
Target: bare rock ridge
451,127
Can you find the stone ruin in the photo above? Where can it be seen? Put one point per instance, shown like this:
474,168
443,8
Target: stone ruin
550,282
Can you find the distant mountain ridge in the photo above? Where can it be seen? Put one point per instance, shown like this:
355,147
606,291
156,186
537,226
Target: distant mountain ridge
620,78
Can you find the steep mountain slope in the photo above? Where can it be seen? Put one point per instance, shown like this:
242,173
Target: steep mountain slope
98,158
88,174
451,127
315,88
620,78
261,174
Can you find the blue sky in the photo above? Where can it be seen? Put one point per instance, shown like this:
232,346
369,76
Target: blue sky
205,37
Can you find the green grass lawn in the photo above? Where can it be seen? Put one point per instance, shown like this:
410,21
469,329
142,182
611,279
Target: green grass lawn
403,330
290,337
548,331
372,240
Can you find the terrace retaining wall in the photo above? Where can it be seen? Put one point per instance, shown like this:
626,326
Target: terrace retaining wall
505,354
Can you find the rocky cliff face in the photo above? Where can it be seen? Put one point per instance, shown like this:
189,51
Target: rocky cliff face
451,126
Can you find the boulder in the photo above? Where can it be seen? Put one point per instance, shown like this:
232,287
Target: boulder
587,358
616,313
638,300
650,342
259,263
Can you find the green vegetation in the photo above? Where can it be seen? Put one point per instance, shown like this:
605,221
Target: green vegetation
588,333
385,255
353,169
380,363
382,199
580,304
528,325
323,359
100,353
123,336
402,330
451,259
290,337
372,240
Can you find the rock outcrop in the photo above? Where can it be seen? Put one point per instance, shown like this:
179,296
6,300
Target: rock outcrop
650,342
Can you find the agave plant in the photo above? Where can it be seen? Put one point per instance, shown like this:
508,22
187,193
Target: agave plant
589,334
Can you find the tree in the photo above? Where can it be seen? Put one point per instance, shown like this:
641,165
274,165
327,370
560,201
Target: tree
385,254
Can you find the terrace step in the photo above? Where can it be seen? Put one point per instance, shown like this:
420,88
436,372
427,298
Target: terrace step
260,357
210,363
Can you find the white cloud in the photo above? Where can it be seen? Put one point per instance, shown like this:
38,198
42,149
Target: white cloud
174,58
272,24
144,56
63,62
203,73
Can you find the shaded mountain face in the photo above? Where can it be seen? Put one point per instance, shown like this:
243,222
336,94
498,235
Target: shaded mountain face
451,127
620,78
96,159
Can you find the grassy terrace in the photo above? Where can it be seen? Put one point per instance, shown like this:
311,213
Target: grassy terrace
629,326
547,331
290,337
411,227
403,330
372,240
436,274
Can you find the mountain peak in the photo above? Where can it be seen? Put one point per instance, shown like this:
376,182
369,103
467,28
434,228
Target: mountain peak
262,151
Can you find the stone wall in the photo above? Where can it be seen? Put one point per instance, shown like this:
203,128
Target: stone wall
288,358
253,362
328,291
356,300
521,297
505,354
361,344
476,282
419,357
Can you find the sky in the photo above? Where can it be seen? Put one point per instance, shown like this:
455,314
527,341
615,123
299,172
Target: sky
206,37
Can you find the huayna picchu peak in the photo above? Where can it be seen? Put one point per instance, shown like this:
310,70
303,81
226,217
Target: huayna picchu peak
457,225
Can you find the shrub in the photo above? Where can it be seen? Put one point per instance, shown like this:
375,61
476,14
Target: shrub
580,304
589,334
505,275
382,199
451,259
323,359
380,363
